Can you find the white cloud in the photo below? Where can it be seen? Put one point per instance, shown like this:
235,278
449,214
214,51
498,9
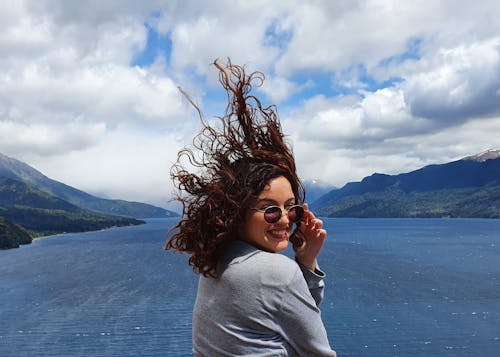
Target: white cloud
356,122
129,164
198,42
278,89
17,137
69,67
458,84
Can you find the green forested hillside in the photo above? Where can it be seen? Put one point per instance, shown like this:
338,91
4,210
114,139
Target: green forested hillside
41,213
19,171
51,221
11,235
471,203
463,188
15,193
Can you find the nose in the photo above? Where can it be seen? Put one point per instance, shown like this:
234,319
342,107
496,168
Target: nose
284,217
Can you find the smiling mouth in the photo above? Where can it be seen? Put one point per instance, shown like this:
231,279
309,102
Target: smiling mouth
280,234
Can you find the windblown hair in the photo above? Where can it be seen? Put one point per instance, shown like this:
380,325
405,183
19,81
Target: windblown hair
236,160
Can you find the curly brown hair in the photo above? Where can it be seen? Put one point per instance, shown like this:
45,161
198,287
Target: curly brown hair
236,161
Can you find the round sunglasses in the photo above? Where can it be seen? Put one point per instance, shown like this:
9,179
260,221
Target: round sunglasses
272,214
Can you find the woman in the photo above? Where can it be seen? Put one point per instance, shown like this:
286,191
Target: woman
239,212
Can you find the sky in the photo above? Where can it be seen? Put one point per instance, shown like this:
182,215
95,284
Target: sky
89,89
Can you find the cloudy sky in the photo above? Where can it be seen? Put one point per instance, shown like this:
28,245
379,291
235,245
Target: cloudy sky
88,89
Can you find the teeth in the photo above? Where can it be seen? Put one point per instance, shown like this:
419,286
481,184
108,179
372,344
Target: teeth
278,233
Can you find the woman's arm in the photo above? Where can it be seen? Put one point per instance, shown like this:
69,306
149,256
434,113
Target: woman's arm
315,283
300,320
307,242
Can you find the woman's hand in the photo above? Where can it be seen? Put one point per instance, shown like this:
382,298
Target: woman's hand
308,240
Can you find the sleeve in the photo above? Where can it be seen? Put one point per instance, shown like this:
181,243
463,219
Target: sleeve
300,320
314,282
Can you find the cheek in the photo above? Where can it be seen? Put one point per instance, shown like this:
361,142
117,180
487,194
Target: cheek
255,229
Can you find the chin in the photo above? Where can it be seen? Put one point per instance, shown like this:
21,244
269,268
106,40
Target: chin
280,246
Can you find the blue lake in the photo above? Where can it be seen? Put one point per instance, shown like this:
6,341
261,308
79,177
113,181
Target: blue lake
395,287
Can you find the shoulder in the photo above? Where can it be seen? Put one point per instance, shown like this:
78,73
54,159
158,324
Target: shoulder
262,267
277,269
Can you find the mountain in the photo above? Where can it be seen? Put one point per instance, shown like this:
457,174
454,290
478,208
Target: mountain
487,155
17,170
41,213
469,187
316,188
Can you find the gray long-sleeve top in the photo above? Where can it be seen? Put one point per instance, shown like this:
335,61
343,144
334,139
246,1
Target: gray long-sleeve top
260,305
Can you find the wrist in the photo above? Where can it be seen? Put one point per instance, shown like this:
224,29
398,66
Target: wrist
310,265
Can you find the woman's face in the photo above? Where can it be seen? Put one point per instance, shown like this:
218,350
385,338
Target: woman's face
271,237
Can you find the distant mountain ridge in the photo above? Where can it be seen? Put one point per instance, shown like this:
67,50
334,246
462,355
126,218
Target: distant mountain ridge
31,205
20,171
469,187
316,188
486,155
28,212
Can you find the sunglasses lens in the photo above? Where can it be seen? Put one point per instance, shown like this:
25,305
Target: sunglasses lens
272,214
295,213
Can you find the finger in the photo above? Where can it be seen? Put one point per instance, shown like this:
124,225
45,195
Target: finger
322,234
307,217
317,223
297,239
